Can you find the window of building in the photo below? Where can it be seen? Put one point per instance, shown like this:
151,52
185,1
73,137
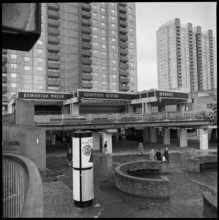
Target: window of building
113,32
13,56
95,44
13,85
113,18
103,46
39,68
13,75
102,9
103,31
94,29
103,54
131,30
132,78
26,58
14,66
103,38
103,17
113,47
94,21
131,64
103,69
40,87
103,24
94,14
114,76
130,44
113,61
39,60
40,42
27,87
104,75
26,68
113,11
113,25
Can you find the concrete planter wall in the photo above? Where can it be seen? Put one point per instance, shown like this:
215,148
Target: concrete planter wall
145,187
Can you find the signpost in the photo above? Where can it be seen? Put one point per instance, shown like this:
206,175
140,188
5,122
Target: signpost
83,188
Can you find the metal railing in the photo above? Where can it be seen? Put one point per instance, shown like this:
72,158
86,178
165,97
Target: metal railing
22,188
123,117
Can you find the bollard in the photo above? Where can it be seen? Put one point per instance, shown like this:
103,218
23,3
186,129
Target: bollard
82,149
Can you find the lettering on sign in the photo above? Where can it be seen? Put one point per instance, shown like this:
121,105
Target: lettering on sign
29,95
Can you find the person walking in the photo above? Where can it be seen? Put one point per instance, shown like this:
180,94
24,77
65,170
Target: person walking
141,148
152,154
105,148
166,155
158,155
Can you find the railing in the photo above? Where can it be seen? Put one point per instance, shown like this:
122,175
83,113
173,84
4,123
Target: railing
22,188
102,118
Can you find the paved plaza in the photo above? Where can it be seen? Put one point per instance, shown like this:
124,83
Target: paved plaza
186,188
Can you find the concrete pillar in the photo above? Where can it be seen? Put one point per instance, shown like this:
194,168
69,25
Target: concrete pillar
147,108
146,136
203,139
107,137
96,140
153,135
74,109
183,140
166,136
209,133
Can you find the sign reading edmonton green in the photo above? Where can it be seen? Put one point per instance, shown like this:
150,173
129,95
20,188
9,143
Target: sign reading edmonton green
35,95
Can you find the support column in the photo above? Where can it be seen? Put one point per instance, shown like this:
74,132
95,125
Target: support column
147,108
96,140
153,135
203,139
183,140
166,136
107,137
74,109
146,136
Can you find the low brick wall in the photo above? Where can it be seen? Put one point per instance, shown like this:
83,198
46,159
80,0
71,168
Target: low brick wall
194,163
210,205
145,187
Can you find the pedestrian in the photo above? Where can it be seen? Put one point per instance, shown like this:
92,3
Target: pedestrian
69,156
105,148
141,148
158,155
166,155
152,155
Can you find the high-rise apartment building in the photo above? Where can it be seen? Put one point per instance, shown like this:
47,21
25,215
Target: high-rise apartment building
186,57
82,46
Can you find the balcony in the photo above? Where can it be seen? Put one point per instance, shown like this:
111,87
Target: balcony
87,85
53,39
4,60
123,24
53,82
53,56
86,76
85,14
85,7
4,51
4,69
123,51
124,80
86,22
124,87
86,61
86,53
4,98
124,66
86,38
52,65
123,45
4,88
86,30
86,69
123,30
122,16
54,74
53,48
124,73
53,23
123,38
53,31
53,6
53,14
86,45
124,4
124,59
122,10
22,188
4,79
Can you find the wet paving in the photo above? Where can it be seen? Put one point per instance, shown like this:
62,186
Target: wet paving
186,199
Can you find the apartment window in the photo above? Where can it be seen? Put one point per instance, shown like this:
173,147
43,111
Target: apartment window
113,18
39,68
94,29
13,56
113,47
103,46
26,58
94,14
13,75
95,44
26,68
103,69
130,44
112,3
113,40
131,30
103,24
113,25
103,54
103,17
39,87
14,66
40,42
103,31
113,61
39,60
131,64
113,11
102,9
104,75
13,85
94,22
114,76
132,78
130,17
113,32
95,36
103,38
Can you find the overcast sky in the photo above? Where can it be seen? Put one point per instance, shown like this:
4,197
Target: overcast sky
149,16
